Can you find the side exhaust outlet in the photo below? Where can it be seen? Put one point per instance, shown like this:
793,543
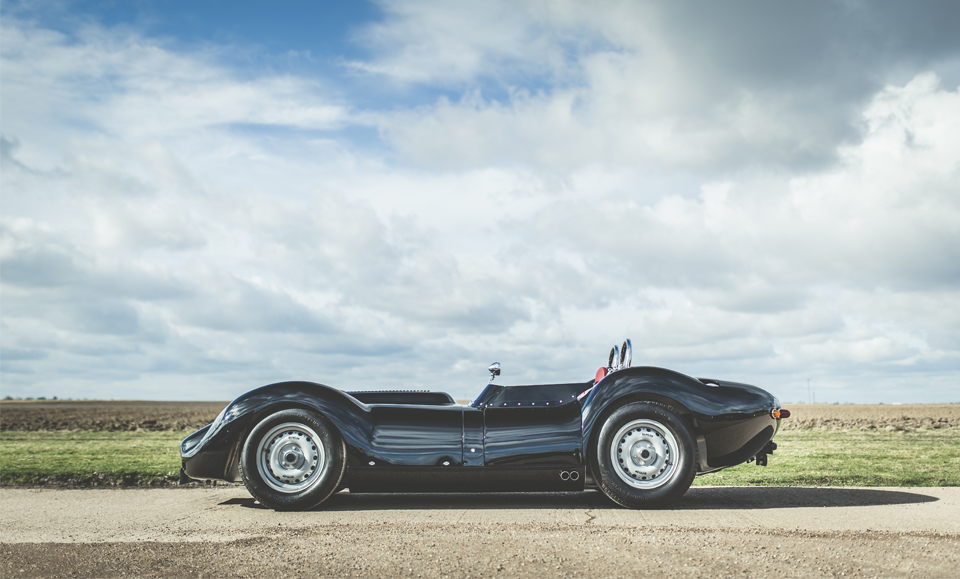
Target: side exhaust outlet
571,475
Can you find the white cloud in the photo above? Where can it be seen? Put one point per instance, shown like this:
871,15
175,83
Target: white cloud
449,44
678,86
154,246
136,88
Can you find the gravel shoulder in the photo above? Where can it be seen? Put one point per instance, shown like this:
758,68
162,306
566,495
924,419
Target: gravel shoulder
713,531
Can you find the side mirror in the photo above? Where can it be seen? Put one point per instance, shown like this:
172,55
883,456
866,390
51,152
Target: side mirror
494,370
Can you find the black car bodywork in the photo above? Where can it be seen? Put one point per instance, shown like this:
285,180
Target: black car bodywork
511,438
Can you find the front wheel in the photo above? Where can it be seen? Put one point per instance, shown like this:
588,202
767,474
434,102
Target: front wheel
292,460
645,455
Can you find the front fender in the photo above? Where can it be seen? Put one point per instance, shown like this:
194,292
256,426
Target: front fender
213,451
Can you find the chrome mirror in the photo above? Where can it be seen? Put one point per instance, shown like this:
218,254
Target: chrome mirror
494,370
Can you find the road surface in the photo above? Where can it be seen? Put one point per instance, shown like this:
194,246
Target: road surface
711,532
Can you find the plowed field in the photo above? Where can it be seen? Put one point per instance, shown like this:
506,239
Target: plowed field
132,415
106,415
872,416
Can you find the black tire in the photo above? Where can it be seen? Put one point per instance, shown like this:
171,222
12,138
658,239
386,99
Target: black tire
292,460
646,456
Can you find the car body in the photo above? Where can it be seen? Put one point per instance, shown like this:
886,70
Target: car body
639,434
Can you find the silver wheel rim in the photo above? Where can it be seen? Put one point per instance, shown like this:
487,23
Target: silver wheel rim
645,454
290,457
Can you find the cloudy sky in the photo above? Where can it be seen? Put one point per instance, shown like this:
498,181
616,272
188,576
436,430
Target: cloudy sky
199,198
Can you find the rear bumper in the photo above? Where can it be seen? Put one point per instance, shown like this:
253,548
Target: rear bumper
738,439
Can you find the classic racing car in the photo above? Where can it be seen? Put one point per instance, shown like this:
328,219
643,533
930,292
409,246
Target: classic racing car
638,434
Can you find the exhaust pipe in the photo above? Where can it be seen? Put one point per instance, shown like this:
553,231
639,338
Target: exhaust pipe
564,475
574,475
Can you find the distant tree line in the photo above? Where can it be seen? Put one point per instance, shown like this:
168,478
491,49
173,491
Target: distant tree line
5,398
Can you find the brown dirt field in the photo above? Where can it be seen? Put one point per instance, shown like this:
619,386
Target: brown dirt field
872,416
100,415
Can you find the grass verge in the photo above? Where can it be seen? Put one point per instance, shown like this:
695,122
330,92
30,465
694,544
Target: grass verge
90,458
925,457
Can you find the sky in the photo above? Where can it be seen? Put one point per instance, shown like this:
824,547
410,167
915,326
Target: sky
199,198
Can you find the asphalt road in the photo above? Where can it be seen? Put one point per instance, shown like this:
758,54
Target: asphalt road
711,532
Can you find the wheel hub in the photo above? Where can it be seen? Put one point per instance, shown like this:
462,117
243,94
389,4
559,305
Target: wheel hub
290,457
644,454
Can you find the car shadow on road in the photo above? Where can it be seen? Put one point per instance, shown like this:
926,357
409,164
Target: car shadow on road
697,498
796,497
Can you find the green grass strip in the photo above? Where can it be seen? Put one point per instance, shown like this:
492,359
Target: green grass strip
90,458
926,457
919,458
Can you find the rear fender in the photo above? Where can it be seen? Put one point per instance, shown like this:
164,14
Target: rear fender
645,384
727,418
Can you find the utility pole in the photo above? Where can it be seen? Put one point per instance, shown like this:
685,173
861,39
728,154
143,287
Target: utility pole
809,400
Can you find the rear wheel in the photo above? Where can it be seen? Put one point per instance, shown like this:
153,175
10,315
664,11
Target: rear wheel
292,460
646,456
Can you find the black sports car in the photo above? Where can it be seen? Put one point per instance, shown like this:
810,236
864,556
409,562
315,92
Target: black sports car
639,434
